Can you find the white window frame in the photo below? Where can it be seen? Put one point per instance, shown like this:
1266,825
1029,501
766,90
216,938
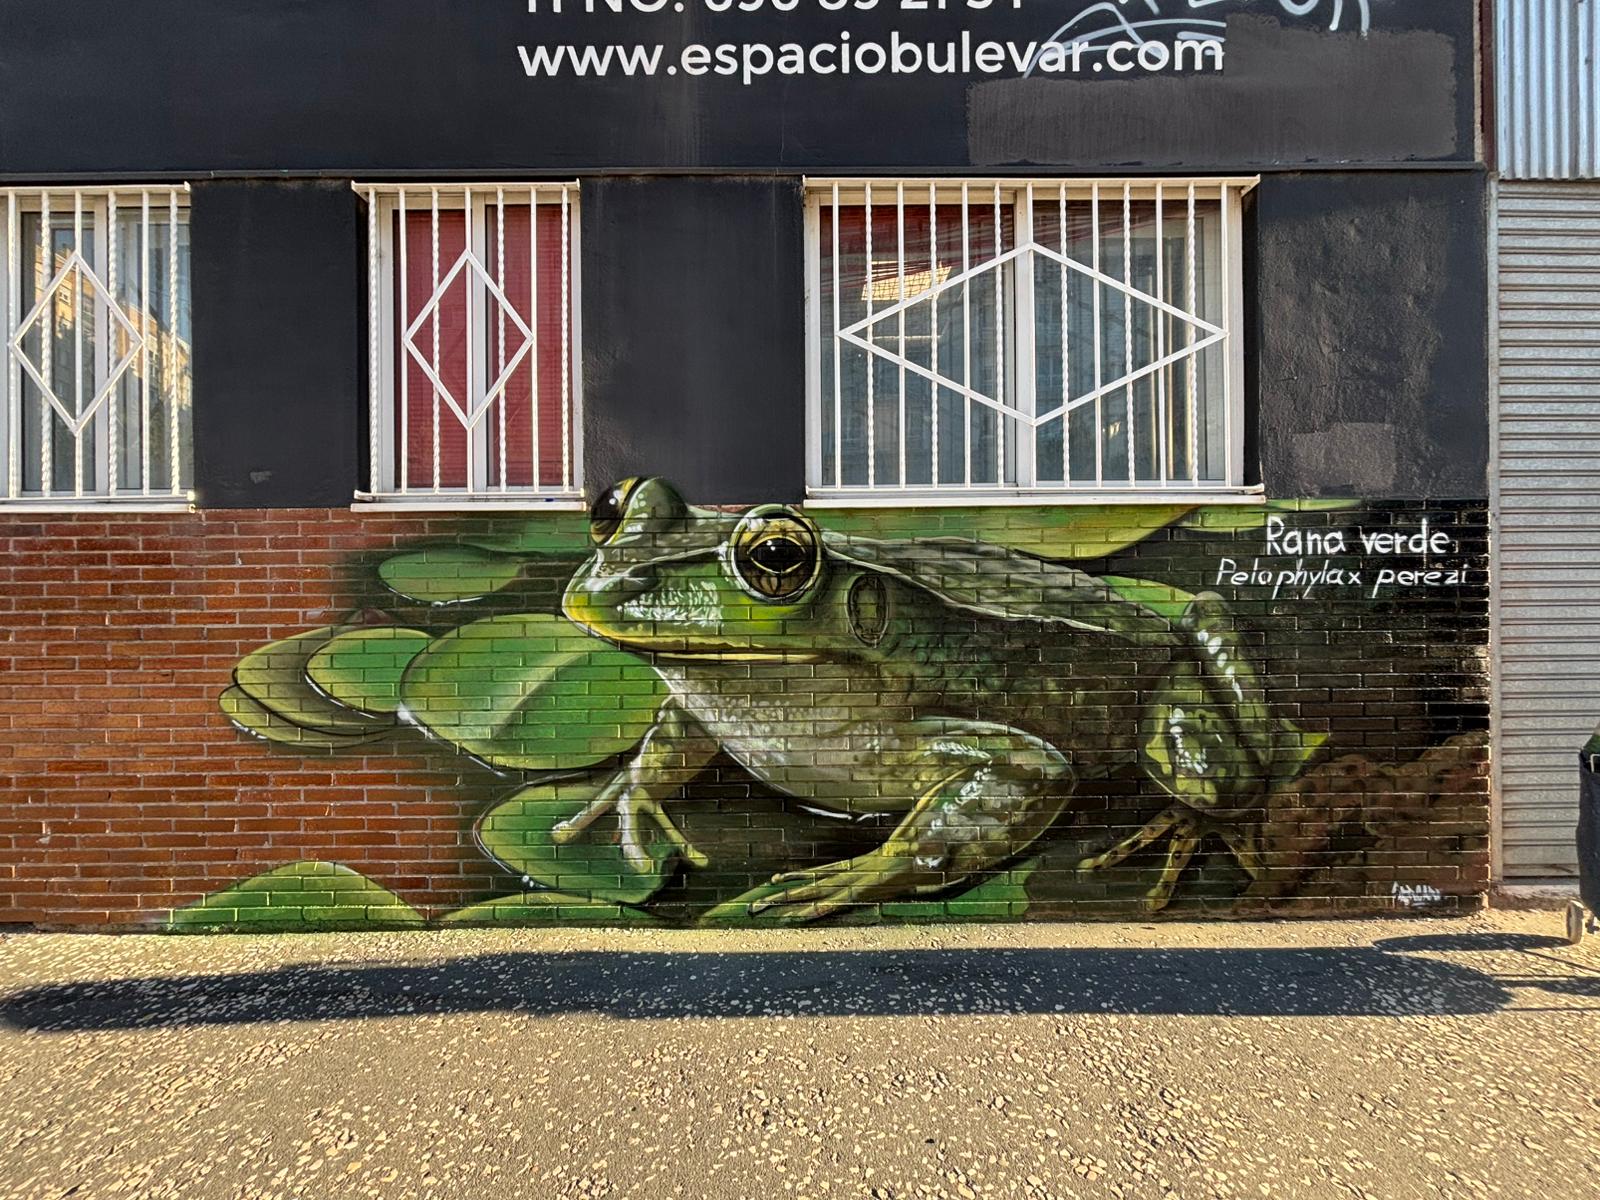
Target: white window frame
390,484
93,210
1175,198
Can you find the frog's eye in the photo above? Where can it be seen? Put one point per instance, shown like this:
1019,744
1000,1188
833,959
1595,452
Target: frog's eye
776,553
605,518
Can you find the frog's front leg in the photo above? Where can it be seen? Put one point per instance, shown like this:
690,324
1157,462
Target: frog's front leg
985,792
674,750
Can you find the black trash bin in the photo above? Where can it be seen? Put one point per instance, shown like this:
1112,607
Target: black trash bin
1589,823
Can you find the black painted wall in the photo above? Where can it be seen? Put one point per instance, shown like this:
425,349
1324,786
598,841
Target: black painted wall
1371,315
694,335
423,87
279,295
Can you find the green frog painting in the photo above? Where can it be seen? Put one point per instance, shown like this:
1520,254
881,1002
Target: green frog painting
665,712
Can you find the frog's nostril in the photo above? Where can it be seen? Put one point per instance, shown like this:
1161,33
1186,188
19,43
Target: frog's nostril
612,591
593,600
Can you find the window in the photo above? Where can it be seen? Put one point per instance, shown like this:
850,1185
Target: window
474,335
987,339
97,351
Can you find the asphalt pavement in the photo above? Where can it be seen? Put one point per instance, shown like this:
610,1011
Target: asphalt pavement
1389,1059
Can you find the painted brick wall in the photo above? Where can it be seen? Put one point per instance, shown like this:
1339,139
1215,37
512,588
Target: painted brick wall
409,755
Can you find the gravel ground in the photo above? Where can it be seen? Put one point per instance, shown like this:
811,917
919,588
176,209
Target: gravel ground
1369,1059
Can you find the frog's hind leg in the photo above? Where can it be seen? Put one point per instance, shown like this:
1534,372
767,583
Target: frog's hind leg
1186,835
986,792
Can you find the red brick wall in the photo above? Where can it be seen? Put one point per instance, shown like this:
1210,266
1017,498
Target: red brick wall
128,790
126,793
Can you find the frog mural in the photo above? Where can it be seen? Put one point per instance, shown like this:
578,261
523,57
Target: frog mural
765,628
963,707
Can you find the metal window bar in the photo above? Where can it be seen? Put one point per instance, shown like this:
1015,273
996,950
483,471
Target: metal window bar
900,294
486,357
1156,331
1000,379
97,372
838,416
872,367
933,340
966,334
1066,341
1099,344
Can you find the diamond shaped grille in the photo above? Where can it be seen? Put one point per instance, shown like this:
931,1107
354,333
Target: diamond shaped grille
1203,334
469,410
80,277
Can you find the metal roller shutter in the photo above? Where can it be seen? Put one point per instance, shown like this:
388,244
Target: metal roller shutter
1548,512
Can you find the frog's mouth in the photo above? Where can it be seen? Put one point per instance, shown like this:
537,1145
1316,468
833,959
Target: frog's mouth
683,605
739,654
679,623
698,648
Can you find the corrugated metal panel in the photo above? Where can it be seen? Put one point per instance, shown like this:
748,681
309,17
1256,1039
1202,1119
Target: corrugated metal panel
1548,514
1547,54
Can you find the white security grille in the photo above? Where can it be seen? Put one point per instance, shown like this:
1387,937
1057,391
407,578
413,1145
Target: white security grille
97,380
474,341
1020,337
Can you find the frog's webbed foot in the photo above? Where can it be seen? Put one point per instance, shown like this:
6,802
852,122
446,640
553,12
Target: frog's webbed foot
1245,842
674,750
880,875
1185,829
637,814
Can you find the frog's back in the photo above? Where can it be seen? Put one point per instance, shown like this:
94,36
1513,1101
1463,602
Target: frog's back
1079,689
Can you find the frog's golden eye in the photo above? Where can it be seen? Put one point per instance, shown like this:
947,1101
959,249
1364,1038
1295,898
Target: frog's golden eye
605,518
776,553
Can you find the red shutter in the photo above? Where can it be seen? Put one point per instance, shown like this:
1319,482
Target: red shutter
449,317
449,320
519,391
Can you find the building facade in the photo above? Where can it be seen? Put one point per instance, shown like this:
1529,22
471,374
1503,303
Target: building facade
587,460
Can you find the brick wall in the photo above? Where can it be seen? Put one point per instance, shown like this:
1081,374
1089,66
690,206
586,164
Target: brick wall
1358,782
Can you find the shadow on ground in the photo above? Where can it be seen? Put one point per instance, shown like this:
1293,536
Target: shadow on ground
628,985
